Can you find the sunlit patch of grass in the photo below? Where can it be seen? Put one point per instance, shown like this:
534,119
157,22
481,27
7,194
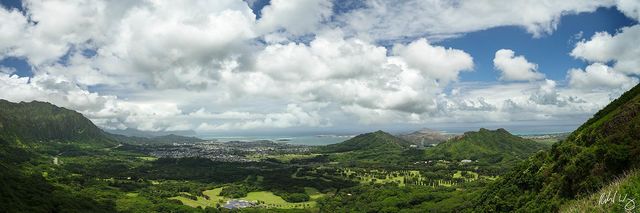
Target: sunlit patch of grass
200,203
626,186
270,200
313,193
214,195
147,158
265,199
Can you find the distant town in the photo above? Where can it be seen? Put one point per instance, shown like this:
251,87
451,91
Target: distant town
234,151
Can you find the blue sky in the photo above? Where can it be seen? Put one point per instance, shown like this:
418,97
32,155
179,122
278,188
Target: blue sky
550,52
12,4
260,66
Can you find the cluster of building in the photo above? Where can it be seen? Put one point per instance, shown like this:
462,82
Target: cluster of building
238,204
234,151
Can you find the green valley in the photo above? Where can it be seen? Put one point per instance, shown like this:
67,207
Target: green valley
57,160
319,106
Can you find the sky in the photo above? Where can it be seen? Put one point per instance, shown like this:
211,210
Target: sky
259,67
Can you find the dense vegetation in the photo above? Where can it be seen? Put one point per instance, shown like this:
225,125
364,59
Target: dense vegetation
40,121
375,142
619,196
390,198
603,148
55,160
371,149
33,134
487,146
23,185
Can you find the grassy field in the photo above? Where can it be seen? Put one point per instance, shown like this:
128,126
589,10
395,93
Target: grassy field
201,202
147,158
214,198
459,175
313,193
271,200
266,198
214,195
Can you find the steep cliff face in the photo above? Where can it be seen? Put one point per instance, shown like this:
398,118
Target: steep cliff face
39,121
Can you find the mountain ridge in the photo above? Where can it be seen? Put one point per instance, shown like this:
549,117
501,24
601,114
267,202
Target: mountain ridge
371,148
368,141
490,146
54,123
19,120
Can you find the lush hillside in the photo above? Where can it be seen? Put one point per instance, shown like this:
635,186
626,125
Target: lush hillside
374,147
55,160
595,154
26,128
39,121
426,136
379,140
485,146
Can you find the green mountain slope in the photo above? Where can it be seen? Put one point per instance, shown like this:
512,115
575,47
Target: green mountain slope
39,121
368,142
26,128
374,147
596,153
485,146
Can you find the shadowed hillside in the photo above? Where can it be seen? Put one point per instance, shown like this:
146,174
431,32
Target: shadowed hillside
40,121
26,128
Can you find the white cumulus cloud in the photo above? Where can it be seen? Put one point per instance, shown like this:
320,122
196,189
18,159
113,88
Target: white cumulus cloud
443,64
394,20
619,49
213,66
296,17
600,76
630,8
515,68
